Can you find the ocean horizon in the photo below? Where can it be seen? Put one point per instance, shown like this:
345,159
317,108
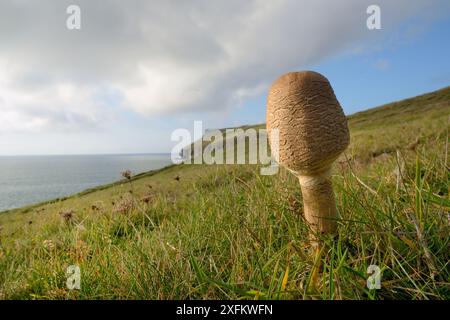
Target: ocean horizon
30,179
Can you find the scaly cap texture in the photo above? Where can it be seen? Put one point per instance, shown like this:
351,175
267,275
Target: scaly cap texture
313,129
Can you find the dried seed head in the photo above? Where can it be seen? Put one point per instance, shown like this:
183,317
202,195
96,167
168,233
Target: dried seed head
127,174
67,214
147,198
124,206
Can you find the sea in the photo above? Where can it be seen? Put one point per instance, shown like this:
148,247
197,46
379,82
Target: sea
26,180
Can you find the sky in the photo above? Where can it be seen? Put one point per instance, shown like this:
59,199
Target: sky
138,70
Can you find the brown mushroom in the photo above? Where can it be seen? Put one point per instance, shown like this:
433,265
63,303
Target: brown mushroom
313,132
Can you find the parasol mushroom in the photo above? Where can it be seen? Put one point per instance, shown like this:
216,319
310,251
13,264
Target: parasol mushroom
313,132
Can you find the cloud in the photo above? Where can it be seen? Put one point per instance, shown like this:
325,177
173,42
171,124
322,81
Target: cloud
158,57
30,103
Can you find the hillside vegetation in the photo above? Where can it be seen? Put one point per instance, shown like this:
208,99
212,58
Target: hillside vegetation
228,232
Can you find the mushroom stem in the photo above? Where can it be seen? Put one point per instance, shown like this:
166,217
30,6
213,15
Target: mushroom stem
319,203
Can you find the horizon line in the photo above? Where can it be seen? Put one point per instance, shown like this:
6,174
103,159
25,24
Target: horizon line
85,154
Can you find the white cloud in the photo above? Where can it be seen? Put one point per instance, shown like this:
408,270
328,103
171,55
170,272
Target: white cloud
56,106
164,56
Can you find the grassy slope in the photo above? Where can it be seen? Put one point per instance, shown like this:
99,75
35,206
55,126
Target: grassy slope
228,232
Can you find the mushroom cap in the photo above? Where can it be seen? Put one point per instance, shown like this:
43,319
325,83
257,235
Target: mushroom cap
312,127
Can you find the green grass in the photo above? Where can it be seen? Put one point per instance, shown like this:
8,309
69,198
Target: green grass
227,232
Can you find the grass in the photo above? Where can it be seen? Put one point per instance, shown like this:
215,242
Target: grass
227,232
